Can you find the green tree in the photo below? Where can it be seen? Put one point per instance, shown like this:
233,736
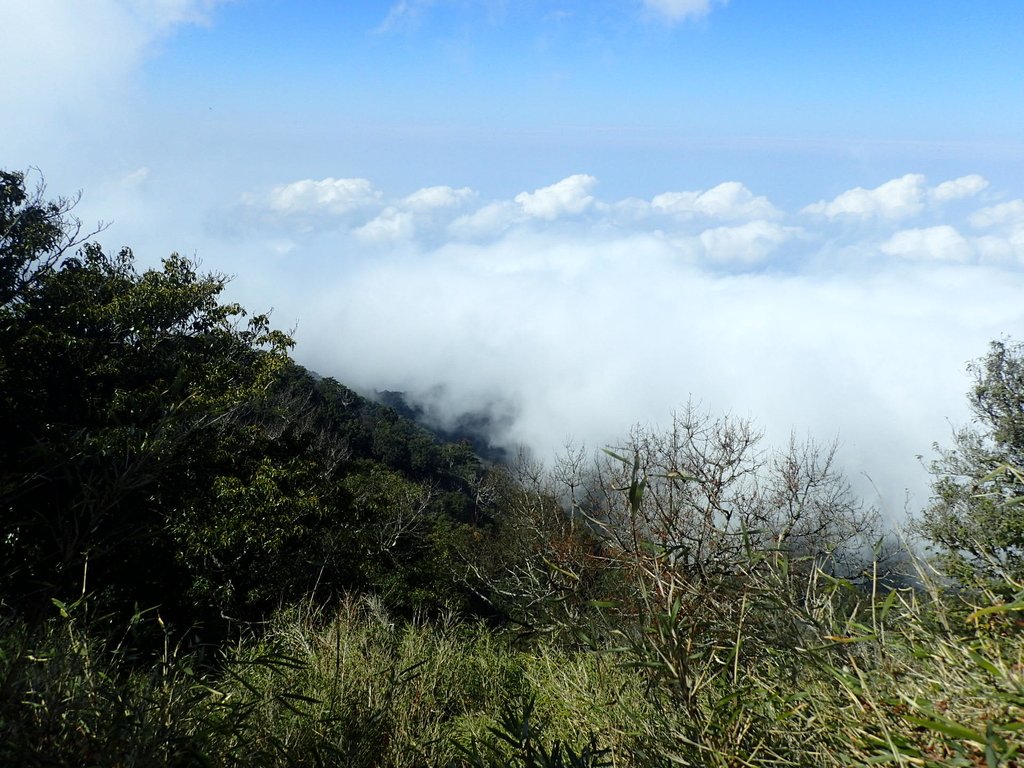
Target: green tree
159,447
114,386
34,234
973,529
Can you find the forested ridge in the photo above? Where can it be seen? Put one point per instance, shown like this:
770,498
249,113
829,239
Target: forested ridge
212,556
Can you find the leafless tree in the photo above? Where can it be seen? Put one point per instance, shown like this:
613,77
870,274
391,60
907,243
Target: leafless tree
711,491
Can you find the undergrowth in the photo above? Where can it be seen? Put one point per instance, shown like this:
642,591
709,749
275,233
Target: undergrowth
909,677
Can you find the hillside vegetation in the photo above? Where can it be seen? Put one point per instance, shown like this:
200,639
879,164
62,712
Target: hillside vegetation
211,556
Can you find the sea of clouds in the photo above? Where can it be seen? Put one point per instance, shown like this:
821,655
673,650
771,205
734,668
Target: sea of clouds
568,316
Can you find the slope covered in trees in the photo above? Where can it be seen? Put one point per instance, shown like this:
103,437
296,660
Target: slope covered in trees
160,448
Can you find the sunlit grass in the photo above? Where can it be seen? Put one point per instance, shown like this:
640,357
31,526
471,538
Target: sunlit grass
846,676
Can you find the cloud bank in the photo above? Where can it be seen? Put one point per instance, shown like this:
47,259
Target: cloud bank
569,315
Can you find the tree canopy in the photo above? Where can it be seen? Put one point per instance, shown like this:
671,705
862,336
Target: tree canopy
160,447
976,521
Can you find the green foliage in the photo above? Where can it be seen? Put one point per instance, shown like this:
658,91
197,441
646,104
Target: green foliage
976,522
158,447
72,693
356,688
871,678
34,233
520,742
114,386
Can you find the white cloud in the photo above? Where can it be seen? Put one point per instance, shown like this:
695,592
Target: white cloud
568,197
1005,243
404,219
572,196
896,199
584,335
677,10
1011,213
431,198
957,189
489,221
752,229
391,225
334,196
748,243
69,63
1001,250
730,200
941,243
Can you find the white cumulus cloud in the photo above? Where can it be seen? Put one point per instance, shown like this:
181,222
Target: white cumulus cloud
390,226
1011,213
489,221
725,226
432,198
730,200
957,189
326,195
896,199
568,197
941,243
1004,241
745,244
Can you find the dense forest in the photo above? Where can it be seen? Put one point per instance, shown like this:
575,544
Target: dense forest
210,555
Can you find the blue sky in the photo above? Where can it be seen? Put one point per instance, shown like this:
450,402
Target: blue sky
521,92
578,214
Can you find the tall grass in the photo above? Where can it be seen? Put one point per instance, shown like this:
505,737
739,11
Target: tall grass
73,692
370,692
350,688
829,673
769,669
